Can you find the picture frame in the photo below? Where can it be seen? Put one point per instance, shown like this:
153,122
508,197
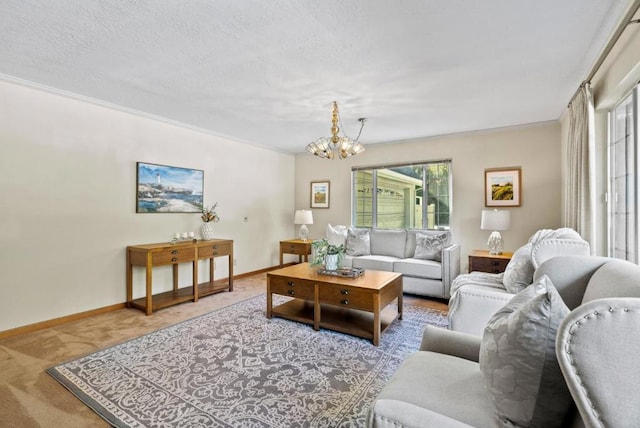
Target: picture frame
320,194
503,187
168,189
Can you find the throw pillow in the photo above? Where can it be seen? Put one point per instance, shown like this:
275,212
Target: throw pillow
358,242
518,361
518,274
336,235
429,246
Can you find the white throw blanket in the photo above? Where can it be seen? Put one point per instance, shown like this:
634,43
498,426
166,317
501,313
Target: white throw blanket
479,278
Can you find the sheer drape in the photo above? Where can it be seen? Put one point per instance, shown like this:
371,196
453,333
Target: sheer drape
579,210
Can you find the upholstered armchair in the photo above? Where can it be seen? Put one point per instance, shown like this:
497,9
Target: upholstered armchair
585,351
476,296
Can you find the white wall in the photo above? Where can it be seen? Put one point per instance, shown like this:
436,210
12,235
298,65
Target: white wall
535,148
67,204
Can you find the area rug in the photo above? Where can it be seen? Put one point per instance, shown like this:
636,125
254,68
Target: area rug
233,367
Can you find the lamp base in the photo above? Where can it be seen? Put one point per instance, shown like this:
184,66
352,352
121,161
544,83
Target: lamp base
495,243
304,232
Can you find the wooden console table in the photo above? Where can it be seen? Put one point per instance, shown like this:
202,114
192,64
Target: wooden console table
165,253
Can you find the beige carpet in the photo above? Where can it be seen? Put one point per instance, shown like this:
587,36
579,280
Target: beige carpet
32,398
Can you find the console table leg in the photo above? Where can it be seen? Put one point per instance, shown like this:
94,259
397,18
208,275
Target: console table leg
269,299
129,280
149,296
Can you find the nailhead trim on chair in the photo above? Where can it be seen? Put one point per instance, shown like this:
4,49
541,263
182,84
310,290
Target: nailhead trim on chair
567,351
565,243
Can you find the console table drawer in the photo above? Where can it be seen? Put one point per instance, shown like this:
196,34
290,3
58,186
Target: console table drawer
298,288
347,297
218,249
173,255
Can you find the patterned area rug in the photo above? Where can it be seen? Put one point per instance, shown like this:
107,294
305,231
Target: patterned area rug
234,368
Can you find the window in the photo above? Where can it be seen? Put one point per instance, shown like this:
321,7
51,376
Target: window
394,196
623,179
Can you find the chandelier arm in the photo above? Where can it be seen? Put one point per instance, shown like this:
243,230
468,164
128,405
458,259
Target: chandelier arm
362,120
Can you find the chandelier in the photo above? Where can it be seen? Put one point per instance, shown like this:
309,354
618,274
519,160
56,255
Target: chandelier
336,146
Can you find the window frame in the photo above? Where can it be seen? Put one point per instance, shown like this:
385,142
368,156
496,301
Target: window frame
374,185
632,227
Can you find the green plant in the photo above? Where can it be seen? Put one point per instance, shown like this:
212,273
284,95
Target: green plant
323,248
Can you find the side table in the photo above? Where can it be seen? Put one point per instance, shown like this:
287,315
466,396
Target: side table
295,246
482,261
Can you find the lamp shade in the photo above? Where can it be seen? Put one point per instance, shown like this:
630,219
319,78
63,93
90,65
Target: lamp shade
303,217
495,220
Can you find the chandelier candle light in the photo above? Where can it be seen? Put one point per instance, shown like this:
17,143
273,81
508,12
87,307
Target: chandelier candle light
336,146
303,217
495,220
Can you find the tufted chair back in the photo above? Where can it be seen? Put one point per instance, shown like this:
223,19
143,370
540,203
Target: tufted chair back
598,342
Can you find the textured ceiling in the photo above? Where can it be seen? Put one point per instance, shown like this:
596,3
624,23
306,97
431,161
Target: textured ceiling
266,72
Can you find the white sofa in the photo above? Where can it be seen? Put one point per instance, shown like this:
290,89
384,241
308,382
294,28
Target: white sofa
476,296
394,250
596,347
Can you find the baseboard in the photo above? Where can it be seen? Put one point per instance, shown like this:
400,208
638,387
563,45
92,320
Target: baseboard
30,328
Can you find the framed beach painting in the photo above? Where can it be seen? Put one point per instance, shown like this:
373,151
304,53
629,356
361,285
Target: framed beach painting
503,187
319,194
168,189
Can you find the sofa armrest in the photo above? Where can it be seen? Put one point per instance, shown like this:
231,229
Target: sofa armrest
597,347
455,343
450,267
472,306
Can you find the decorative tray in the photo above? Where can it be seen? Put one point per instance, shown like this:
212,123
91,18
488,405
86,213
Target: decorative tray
343,272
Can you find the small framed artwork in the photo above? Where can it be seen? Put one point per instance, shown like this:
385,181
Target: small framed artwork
320,194
503,187
168,189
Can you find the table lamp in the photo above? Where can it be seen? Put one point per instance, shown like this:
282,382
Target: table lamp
303,217
495,220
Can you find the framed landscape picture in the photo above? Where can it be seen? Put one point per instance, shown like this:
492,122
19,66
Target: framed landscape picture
168,189
319,194
503,187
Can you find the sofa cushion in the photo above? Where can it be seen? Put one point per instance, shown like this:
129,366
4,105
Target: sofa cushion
419,268
374,262
429,246
410,249
358,242
518,360
388,242
336,235
518,274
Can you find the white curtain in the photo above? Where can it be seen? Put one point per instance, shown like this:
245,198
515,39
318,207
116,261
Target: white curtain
580,201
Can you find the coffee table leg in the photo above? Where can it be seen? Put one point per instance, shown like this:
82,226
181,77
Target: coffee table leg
316,307
376,319
269,298
400,302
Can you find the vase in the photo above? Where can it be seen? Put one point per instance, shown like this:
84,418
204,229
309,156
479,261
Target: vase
331,262
207,231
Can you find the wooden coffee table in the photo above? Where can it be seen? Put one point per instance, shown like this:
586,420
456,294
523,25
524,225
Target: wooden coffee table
356,306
